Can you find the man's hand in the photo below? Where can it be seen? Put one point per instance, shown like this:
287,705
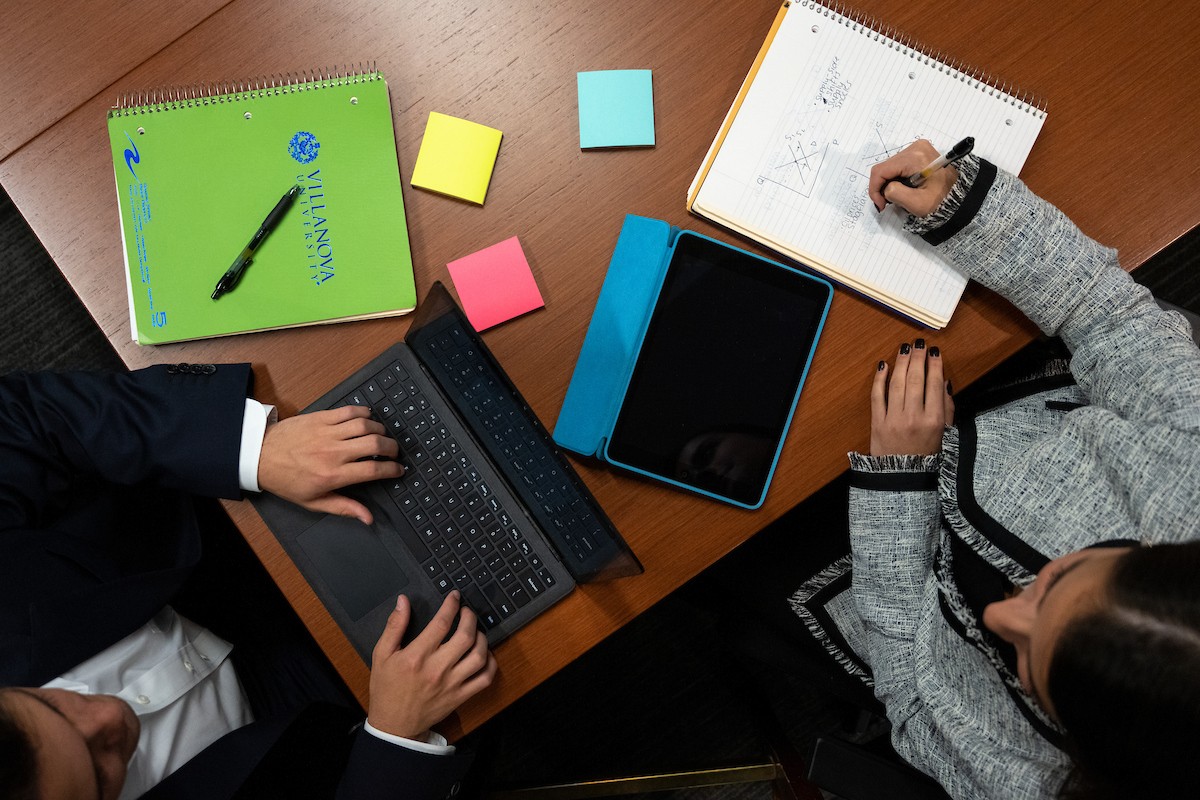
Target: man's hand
909,413
415,687
306,458
884,187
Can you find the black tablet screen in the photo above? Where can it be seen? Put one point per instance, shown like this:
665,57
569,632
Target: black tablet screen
716,378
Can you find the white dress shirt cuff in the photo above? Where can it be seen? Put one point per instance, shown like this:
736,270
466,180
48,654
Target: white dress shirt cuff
433,743
254,428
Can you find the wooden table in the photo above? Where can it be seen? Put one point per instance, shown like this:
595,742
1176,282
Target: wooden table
1116,154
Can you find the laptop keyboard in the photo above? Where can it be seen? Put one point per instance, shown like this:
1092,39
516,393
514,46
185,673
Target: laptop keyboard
459,529
514,439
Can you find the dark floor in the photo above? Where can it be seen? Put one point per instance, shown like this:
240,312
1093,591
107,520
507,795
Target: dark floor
660,695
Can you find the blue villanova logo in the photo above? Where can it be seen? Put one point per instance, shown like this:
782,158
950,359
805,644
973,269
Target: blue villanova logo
303,147
132,156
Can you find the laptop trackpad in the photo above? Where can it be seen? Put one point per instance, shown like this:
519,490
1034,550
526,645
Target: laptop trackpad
350,558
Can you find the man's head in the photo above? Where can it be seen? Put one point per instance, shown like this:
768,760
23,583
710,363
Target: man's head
60,744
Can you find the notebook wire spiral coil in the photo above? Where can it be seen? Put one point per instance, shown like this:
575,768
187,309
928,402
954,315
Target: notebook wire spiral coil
232,91
861,22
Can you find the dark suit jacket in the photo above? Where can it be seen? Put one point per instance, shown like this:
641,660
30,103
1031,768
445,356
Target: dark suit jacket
97,532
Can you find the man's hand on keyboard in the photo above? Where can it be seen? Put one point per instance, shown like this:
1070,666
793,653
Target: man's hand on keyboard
416,686
307,458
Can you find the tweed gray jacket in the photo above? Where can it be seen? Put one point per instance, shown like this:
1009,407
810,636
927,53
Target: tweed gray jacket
1109,451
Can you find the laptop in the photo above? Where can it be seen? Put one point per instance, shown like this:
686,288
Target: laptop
487,505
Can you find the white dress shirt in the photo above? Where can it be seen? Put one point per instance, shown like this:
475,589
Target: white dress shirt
179,680
177,676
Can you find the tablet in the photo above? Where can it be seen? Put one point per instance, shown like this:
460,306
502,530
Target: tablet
719,371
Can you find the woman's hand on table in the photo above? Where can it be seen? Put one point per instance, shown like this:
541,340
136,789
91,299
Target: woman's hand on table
910,403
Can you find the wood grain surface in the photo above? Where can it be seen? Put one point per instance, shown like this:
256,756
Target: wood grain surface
56,56
1115,154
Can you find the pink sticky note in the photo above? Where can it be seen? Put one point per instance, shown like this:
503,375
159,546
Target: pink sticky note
495,284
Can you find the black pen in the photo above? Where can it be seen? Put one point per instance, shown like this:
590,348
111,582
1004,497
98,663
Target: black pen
953,154
246,257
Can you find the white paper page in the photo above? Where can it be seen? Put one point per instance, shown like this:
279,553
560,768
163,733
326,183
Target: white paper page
831,99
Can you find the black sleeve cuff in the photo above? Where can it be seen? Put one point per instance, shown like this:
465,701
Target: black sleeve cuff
970,205
894,481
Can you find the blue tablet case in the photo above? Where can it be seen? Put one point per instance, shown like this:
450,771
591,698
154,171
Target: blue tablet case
614,336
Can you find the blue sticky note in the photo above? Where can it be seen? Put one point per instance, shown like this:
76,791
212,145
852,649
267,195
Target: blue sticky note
616,108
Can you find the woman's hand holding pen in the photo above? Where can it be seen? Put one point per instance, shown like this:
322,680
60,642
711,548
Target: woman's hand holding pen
909,411
885,186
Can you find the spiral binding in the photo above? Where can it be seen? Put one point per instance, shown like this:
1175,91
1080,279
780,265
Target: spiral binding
202,94
858,21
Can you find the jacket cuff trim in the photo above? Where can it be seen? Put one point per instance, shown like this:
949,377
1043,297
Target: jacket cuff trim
970,205
895,481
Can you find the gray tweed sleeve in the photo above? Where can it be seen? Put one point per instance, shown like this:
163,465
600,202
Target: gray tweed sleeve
893,532
1129,355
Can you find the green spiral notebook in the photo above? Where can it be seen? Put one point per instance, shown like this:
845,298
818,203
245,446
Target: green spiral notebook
198,171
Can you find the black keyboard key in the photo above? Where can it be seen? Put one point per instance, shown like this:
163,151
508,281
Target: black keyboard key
531,583
489,619
519,595
499,600
412,540
475,600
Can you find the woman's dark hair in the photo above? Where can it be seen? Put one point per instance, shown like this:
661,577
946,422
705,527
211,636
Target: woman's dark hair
18,760
1125,680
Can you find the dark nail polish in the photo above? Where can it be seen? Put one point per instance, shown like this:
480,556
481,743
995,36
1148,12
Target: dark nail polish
935,351
919,344
904,348
881,367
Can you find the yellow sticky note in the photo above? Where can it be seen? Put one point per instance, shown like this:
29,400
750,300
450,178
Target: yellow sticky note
456,157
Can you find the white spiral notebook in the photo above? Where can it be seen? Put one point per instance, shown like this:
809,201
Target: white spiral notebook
830,95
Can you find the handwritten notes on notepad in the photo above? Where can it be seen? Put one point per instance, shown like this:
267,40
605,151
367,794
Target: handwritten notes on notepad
456,157
827,98
616,108
495,284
